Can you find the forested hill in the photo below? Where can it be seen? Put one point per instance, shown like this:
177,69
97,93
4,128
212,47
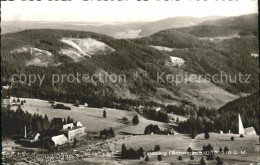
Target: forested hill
212,49
48,51
247,107
244,24
208,31
243,105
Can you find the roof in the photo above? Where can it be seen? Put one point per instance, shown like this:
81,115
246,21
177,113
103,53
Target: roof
67,126
59,139
250,130
78,124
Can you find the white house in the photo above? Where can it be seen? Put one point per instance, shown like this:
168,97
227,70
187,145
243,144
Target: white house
176,61
254,54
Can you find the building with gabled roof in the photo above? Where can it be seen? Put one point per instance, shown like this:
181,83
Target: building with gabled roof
73,130
59,140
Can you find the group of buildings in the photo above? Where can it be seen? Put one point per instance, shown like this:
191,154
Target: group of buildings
67,134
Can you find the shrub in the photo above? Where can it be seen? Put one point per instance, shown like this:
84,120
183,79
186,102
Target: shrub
241,135
111,132
77,103
202,161
232,138
206,136
104,114
123,152
125,118
226,149
219,162
141,152
152,129
180,158
62,106
157,147
159,157
191,157
189,150
220,149
135,120
146,158
210,157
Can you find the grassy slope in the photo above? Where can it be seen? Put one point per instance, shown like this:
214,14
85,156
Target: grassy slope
91,118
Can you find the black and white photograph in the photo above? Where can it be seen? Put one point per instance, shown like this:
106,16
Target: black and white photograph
128,82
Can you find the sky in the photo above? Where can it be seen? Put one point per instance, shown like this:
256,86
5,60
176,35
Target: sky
124,11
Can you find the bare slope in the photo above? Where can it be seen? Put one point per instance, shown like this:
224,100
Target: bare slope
80,48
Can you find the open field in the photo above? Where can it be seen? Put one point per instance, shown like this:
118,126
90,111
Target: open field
91,118
166,142
250,144
180,143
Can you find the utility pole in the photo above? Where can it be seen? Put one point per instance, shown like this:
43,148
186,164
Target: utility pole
25,132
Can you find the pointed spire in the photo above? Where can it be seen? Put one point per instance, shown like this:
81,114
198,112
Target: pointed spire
240,126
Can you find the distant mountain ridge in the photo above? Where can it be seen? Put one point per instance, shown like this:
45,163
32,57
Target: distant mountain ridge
133,29
116,30
172,22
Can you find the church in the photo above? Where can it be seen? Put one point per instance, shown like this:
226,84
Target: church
245,131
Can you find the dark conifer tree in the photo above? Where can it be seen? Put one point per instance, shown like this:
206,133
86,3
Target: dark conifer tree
123,152
146,158
159,157
202,161
135,120
206,136
104,114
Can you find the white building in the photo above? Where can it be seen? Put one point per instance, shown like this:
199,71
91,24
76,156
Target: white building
73,130
176,61
254,54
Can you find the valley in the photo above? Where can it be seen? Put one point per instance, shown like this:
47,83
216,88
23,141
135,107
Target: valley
181,91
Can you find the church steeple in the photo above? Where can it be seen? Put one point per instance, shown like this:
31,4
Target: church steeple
241,129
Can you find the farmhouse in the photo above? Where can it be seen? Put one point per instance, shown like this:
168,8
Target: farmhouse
6,85
254,54
73,130
30,139
176,61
